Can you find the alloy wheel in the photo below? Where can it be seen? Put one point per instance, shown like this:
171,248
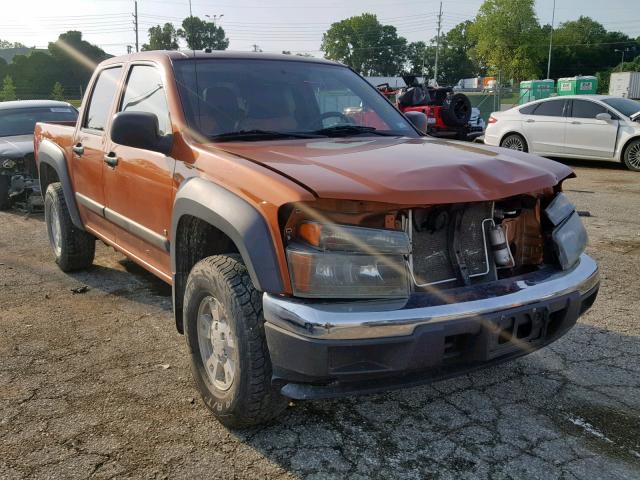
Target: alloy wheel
633,155
513,142
217,343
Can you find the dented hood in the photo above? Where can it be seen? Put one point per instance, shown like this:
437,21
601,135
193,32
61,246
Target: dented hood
403,170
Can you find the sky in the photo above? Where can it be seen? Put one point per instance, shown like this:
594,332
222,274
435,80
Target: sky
274,25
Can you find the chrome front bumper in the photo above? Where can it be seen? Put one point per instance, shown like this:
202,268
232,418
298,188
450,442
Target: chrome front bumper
395,318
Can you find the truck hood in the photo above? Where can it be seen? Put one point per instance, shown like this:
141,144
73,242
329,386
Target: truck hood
16,147
402,170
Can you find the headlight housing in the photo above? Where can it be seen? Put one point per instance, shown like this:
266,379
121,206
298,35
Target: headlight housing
569,235
340,261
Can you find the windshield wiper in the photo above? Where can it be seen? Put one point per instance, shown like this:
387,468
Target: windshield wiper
347,130
256,135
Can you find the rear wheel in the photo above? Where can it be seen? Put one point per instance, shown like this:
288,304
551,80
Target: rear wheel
514,141
631,156
224,330
74,249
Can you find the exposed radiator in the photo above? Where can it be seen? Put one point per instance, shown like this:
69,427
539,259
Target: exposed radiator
449,243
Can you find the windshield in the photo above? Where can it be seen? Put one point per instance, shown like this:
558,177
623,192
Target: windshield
625,106
21,121
265,99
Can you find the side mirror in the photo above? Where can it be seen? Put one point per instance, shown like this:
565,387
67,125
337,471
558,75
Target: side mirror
139,130
418,119
603,116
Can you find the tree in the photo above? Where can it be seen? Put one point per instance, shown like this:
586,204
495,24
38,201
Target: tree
366,45
584,46
8,91
162,38
507,38
58,92
7,44
76,57
201,34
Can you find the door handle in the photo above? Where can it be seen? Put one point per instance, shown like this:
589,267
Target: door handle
78,149
530,120
576,123
111,159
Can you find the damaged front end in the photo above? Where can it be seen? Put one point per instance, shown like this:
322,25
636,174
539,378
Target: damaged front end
19,184
343,249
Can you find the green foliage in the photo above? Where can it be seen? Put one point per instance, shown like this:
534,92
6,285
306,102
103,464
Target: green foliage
366,45
7,44
201,34
162,38
508,38
75,57
584,46
8,91
58,92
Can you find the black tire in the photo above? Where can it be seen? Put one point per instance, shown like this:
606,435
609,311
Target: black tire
5,200
456,110
74,249
631,155
249,399
514,141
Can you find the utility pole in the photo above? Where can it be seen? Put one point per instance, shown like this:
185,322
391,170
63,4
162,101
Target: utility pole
190,11
553,18
627,49
135,22
435,70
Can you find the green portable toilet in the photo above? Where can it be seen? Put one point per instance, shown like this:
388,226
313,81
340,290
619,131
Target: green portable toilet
587,85
535,90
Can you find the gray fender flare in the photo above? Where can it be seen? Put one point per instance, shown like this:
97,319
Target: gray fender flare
237,219
51,154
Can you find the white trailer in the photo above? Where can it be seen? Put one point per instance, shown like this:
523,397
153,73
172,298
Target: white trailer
625,84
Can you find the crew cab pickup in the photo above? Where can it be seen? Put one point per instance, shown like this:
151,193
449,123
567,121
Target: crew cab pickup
311,255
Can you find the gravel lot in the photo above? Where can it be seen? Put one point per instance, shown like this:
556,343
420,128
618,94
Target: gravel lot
97,384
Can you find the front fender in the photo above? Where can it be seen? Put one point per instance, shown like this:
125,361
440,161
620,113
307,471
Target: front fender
237,219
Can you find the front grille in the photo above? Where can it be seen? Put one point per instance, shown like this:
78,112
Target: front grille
449,243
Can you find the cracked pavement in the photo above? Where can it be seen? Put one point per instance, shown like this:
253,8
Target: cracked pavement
97,385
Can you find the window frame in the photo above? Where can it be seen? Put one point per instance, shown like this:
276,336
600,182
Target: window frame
614,116
125,82
563,114
85,111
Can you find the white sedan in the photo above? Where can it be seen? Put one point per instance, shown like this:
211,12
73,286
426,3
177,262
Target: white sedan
595,127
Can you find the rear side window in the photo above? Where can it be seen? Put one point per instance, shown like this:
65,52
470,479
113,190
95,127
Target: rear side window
528,110
586,109
145,93
552,108
102,99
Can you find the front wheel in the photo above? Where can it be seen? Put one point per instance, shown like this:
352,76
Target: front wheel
514,141
74,249
631,157
224,330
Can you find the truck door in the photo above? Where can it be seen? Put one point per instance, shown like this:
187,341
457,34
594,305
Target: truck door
139,182
87,155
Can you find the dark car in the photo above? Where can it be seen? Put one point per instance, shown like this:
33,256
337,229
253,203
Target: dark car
18,172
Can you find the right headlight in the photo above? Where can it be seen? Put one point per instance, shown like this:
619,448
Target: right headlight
569,235
340,261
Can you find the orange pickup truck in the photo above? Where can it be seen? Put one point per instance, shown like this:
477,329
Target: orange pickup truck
311,254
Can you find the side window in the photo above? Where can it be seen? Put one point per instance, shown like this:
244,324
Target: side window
528,110
552,108
145,93
102,98
586,109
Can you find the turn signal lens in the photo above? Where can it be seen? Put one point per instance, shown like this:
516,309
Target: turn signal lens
492,119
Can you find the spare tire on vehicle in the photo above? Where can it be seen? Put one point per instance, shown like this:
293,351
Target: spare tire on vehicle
456,110
413,97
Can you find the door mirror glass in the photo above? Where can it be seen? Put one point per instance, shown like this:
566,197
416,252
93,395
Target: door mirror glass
139,130
418,119
603,116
